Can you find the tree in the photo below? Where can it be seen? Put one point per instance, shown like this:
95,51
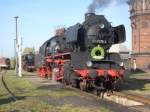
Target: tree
28,50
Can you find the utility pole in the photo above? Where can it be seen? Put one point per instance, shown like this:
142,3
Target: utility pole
18,51
16,41
15,47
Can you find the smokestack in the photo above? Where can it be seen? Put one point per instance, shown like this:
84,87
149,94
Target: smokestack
89,15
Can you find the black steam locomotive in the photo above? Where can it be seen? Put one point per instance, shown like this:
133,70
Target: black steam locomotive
28,62
81,53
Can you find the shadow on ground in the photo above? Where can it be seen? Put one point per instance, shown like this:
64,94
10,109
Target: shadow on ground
136,81
10,99
137,71
136,84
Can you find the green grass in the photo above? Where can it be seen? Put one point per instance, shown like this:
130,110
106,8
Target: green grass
2,90
35,105
140,75
31,104
22,87
16,85
147,87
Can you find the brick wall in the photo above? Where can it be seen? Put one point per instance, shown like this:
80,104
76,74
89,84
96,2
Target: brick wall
140,23
141,34
142,61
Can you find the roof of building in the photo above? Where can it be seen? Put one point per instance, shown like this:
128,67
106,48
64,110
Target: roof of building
119,48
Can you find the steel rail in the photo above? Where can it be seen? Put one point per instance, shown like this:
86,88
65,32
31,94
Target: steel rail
135,98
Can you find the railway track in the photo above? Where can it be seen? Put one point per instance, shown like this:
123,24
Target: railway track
134,97
132,102
2,74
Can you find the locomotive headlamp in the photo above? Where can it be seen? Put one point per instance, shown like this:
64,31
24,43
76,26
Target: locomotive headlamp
101,26
57,47
89,64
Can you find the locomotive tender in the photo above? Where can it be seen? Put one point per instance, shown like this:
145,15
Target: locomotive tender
82,55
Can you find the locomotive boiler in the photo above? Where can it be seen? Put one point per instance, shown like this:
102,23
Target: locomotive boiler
81,53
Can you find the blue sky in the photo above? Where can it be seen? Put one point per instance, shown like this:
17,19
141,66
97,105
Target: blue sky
39,18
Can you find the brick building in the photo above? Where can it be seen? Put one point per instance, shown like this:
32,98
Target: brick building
140,23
